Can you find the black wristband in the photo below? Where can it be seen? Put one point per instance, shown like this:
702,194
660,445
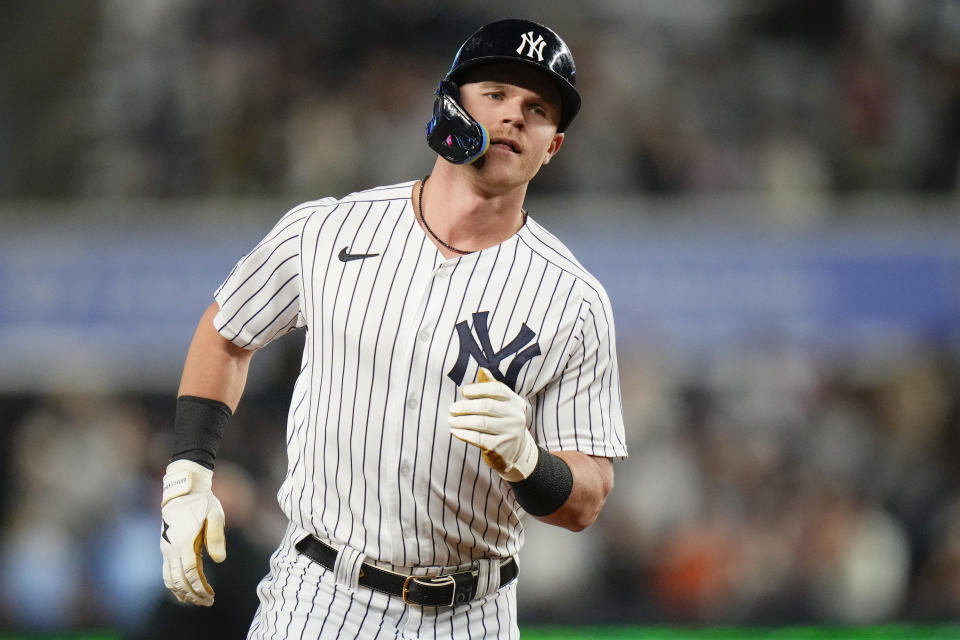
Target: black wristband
547,488
198,429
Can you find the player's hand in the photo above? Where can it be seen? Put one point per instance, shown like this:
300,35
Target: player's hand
497,420
192,518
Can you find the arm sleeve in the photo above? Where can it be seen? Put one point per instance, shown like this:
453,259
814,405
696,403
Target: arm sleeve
581,410
260,299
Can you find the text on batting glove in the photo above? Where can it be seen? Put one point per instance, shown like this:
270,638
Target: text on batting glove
497,420
192,519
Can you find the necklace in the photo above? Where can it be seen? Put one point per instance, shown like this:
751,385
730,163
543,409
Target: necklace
426,226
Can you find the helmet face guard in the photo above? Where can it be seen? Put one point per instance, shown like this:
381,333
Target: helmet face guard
452,132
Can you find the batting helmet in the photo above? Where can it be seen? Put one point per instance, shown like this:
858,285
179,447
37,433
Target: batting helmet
452,132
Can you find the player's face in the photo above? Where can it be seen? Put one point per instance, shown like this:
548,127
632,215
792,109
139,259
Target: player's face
520,107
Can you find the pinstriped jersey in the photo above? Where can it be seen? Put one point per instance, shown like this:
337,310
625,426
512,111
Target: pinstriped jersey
392,331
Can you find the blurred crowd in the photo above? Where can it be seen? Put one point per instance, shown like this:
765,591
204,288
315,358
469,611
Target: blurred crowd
79,546
195,98
776,485
765,485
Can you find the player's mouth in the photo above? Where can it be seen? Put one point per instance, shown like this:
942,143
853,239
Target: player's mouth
506,144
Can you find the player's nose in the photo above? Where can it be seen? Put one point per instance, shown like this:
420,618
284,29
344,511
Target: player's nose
512,113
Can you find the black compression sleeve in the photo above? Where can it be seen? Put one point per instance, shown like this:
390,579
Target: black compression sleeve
547,488
198,429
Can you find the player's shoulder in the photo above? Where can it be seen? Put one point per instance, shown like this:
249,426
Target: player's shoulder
327,206
304,211
554,251
386,193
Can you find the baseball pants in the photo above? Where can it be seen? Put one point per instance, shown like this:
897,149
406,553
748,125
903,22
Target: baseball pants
301,599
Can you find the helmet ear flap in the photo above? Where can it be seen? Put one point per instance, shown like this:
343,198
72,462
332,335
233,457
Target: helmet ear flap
452,132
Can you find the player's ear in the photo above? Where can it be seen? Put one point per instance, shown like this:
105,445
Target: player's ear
553,148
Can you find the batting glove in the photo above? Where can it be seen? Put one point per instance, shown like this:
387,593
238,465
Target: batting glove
497,420
192,519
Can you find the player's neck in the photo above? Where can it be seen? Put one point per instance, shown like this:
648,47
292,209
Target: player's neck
467,214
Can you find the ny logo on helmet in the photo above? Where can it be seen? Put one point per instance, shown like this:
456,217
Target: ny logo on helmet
535,46
486,357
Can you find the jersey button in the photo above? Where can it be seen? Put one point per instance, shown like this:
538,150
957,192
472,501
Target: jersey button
413,402
425,335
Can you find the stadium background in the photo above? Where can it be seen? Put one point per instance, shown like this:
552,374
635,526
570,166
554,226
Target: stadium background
768,189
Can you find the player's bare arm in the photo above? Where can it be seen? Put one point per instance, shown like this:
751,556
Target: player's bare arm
592,483
215,368
214,376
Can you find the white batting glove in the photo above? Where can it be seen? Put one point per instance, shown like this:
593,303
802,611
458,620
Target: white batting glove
497,420
192,518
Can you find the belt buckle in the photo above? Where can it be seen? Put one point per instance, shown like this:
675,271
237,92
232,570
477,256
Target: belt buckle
436,581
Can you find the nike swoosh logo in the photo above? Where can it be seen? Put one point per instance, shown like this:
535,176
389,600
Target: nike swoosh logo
347,257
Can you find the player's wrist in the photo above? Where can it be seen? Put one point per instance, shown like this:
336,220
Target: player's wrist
547,488
198,429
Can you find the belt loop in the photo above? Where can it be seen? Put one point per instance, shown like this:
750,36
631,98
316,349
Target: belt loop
488,577
346,569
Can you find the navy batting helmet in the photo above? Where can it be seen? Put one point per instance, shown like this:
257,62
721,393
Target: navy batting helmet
452,132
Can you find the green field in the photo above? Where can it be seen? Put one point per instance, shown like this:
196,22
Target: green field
888,632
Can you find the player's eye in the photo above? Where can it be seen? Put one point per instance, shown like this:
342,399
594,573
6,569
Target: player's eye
542,111
495,95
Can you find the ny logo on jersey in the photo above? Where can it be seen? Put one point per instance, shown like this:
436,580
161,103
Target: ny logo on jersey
535,46
486,357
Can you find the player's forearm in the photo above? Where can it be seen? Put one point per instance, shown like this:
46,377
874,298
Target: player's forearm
215,368
592,482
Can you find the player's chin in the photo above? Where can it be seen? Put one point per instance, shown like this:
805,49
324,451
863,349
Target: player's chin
505,172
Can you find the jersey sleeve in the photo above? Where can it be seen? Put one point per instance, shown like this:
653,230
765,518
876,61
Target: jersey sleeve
581,410
260,299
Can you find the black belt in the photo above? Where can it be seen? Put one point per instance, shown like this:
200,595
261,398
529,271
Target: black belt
423,591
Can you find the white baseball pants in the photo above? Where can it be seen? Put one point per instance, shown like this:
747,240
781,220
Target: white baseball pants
300,599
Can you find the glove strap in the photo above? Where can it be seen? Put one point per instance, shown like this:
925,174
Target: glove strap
183,477
547,488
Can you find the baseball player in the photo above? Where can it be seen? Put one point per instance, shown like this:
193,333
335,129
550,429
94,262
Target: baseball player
459,371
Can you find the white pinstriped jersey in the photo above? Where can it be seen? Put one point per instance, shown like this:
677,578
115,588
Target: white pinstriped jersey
390,337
